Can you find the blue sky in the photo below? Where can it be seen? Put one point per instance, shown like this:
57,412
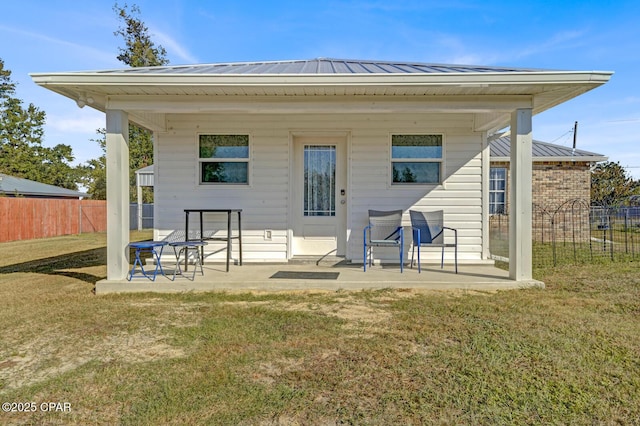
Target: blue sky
65,35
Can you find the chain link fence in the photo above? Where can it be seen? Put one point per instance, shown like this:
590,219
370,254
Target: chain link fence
574,233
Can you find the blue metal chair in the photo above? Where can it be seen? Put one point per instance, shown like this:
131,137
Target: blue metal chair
428,231
154,248
384,230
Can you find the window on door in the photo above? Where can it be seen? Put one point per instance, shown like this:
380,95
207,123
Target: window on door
319,180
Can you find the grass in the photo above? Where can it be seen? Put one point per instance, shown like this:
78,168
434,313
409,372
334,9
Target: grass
568,354
567,252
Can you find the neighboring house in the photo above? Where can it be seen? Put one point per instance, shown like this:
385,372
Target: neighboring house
560,174
18,187
307,147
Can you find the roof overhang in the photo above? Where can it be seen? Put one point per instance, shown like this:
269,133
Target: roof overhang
490,96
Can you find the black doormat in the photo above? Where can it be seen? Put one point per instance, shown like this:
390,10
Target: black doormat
295,275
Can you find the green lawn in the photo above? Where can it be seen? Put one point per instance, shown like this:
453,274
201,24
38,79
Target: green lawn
569,354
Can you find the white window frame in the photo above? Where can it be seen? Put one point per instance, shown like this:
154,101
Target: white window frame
440,161
496,191
202,161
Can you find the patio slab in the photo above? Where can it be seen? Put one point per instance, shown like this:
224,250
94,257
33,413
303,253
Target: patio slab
285,277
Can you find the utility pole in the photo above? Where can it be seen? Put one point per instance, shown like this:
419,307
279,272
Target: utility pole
575,138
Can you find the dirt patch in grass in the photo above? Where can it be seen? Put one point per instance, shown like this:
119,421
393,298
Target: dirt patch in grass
354,311
60,349
49,356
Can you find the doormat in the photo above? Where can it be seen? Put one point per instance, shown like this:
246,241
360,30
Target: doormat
295,275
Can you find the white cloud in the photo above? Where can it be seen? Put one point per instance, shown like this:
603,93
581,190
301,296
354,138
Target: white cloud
79,49
76,123
173,47
558,41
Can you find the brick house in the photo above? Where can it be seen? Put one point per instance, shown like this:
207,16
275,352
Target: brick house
560,174
561,189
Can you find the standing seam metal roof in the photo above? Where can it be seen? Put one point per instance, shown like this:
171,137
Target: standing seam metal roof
320,66
501,147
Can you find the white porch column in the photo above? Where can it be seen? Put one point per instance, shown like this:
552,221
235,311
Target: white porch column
139,194
117,194
520,230
486,167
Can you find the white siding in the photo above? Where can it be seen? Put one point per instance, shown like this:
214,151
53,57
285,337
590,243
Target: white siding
265,202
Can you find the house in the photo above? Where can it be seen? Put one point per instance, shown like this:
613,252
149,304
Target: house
11,186
307,147
560,174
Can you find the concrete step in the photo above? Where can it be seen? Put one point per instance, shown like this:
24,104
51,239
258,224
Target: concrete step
318,260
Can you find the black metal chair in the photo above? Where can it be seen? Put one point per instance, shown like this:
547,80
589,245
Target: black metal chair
428,231
384,230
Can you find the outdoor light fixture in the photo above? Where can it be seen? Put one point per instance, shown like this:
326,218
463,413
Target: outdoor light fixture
83,100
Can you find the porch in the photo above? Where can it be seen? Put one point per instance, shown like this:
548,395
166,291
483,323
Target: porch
322,276
268,108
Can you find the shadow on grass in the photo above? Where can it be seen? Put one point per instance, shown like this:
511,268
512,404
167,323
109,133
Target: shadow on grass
61,265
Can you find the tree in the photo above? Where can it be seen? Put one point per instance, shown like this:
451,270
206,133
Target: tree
139,51
611,185
21,151
56,168
95,171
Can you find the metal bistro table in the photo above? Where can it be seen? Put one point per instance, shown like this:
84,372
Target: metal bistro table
229,236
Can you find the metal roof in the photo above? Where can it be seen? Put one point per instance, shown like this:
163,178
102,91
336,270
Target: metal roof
322,86
543,151
144,176
318,66
10,185
145,170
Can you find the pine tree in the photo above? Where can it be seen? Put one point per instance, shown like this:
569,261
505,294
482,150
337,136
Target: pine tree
21,133
139,51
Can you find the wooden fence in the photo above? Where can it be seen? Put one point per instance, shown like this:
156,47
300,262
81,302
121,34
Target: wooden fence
30,218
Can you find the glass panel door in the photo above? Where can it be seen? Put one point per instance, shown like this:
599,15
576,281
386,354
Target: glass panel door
319,196
319,180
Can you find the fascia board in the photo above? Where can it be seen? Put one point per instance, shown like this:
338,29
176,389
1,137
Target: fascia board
447,79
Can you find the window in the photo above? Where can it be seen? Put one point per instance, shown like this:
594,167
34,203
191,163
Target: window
416,159
497,190
224,159
319,180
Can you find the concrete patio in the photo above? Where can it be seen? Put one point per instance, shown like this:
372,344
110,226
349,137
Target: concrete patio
328,276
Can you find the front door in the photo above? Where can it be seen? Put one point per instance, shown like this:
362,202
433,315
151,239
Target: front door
319,196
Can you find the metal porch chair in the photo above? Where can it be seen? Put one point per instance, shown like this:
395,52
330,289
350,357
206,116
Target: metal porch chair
428,231
384,230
